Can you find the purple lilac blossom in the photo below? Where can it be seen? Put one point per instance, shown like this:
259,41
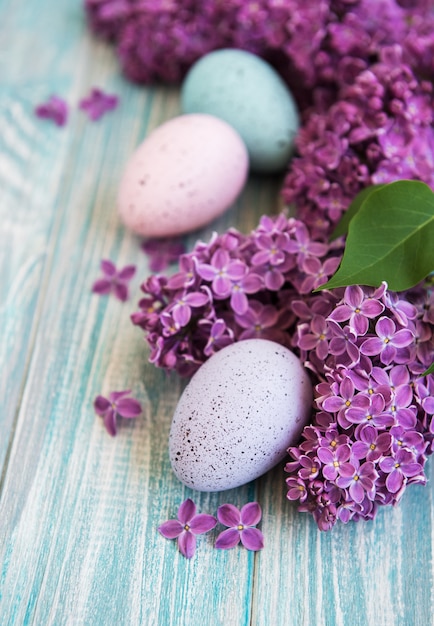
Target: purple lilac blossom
241,526
116,404
98,103
188,525
314,43
55,109
114,281
373,408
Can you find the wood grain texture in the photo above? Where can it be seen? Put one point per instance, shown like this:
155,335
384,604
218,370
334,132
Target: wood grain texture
78,509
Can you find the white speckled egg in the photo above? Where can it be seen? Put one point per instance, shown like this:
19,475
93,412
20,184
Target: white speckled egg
238,415
186,173
245,91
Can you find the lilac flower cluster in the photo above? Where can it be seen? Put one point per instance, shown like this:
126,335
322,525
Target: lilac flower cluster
381,129
366,349
374,426
235,287
313,43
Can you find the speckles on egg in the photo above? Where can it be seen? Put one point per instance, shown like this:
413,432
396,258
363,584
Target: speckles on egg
240,412
186,173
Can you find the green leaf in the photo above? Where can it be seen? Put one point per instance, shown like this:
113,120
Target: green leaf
430,370
390,238
343,224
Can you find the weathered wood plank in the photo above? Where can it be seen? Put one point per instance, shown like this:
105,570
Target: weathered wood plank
33,156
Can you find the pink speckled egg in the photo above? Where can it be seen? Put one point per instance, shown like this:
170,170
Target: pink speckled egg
185,173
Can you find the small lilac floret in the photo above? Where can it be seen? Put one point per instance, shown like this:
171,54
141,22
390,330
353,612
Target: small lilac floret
399,469
371,444
183,303
186,528
98,103
296,489
222,272
358,479
357,310
55,109
116,404
241,526
387,341
114,281
333,460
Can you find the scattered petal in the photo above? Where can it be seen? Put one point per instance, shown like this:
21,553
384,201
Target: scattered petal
116,405
227,539
98,103
252,539
187,527
55,109
114,281
187,544
171,529
186,511
229,515
241,526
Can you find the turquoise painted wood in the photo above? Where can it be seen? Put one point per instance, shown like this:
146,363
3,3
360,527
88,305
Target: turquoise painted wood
78,509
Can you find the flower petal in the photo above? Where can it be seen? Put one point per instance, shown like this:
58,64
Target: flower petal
127,272
229,515
128,407
372,346
171,529
110,422
186,511
181,314
114,396
252,283
207,272
187,544
101,286
251,514
120,290
108,267
356,491
239,302
196,299
394,481
101,405
221,285
252,539
228,539
202,523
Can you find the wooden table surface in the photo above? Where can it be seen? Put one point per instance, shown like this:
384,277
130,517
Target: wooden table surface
78,509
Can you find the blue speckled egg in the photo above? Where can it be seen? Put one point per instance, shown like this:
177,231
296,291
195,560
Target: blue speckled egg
249,94
239,414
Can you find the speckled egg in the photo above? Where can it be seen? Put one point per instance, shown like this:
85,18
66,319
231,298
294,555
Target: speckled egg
186,173
245,91
238,415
